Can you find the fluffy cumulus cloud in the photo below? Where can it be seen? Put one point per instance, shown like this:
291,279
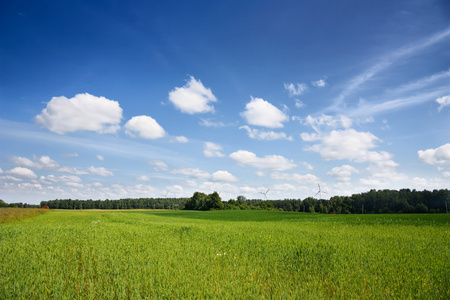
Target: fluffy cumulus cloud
262,113
346,144
22,172
343,173
224,176
212,150
193,98
440,155
43,162
443,102
263,135
145,127
82,112
296,89
219,176
266,163
100,171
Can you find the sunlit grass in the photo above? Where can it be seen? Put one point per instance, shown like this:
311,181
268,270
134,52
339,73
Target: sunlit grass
224,255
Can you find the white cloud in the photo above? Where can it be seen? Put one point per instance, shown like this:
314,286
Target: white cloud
71,171
268,162
209,123
159,165
22,172
70,155
386,61
212,150
284,187
100,171
385,171
446,174
325,121
294,90
11,178
190,172
82,112
343,173
193,98
306,165
64,178
143,178
181,139
223,176
261,113
29,186
145,127
300,179
22,161
319,83
347,144
44,162
440,155
299,103
371,108
265,135
443,102
100,158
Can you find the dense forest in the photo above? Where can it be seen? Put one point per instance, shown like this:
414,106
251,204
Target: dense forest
374,201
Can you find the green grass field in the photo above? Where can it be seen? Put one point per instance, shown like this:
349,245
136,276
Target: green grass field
224,255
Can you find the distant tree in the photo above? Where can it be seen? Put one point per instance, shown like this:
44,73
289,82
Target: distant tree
241,199
2,203
214,201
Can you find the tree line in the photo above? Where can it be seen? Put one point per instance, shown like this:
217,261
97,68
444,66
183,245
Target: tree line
374,201
128,203
18,204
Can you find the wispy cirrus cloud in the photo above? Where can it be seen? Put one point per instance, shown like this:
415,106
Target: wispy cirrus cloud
264,135
369,109
385,62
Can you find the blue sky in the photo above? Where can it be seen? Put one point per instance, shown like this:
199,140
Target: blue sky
115,99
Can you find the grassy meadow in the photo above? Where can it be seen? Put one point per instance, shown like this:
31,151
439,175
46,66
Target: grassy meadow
9,214
224,255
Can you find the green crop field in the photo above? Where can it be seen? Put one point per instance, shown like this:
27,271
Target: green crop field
224,255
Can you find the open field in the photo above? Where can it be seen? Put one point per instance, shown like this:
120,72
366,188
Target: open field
224,254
